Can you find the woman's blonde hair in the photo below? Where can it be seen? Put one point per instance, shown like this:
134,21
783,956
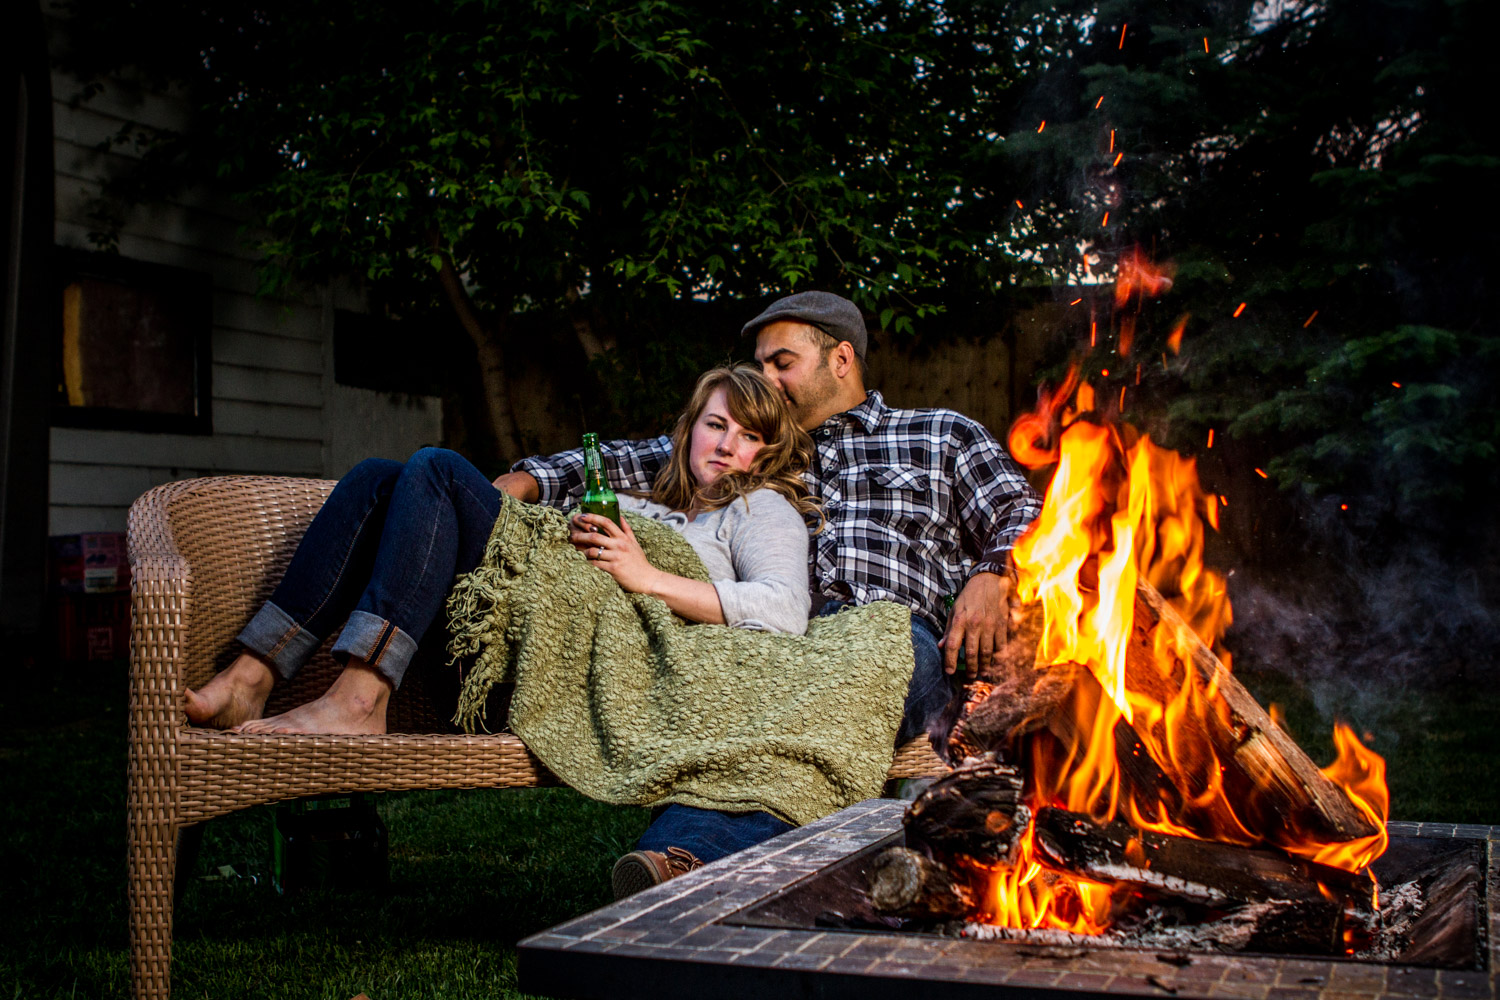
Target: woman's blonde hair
755,403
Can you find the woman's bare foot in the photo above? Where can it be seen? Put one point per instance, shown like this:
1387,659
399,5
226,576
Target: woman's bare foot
355,704
236,695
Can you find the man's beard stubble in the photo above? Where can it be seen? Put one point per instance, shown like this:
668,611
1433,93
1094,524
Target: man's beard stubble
812,398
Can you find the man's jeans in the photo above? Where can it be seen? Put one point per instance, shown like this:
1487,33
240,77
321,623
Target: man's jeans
711,835
379,559
929,693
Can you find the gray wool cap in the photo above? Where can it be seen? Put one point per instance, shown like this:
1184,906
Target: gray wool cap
833,314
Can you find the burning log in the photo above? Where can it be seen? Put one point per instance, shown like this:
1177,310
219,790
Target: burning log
1202,871
905,883
1264,767
976,810
1264,771
1053,699
972,821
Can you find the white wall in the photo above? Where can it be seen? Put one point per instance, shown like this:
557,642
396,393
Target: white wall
276,407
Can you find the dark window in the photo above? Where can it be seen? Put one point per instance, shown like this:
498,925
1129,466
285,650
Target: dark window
133,345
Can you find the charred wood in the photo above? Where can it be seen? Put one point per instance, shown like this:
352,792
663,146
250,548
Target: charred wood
1053,703
976,810
906,883
1214,874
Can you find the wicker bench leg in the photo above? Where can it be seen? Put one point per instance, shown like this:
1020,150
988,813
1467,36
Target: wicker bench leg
152,865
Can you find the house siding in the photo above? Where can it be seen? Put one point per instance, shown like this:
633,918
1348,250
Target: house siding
276,407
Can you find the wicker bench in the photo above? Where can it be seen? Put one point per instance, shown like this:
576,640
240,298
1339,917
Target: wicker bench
205,553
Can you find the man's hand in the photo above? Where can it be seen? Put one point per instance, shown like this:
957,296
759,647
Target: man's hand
979,623
521,485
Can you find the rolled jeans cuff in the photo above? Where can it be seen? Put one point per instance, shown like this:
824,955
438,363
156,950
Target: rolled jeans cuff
379,642
277,637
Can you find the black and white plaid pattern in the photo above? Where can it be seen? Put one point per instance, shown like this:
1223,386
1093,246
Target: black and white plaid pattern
917,501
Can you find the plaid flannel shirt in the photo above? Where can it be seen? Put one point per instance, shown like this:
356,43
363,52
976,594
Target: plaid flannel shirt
917,501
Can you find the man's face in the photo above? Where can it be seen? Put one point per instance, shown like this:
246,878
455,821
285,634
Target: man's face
789,354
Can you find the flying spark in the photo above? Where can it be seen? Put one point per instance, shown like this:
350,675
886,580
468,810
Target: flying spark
1174,339
1396,384
1075,302
1019,205
1118,158
1106,219
1310,319
1343,506
1239,310
1042,125
1122,34
1262,473
1122,399
1111,140
1205,45
1210,437
1104,372
1094,334
1098,102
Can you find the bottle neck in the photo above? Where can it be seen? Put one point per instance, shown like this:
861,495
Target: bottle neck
593,471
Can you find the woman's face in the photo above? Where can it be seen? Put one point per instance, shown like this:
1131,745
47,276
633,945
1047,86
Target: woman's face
718,444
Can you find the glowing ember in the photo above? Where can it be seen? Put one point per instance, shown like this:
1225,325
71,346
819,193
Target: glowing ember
1137,277
1174,339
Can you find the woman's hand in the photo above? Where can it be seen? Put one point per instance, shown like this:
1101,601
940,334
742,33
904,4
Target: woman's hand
613,548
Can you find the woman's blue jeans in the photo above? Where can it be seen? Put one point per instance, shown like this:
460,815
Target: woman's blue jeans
379,558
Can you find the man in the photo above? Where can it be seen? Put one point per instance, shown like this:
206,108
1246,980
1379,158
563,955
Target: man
920,504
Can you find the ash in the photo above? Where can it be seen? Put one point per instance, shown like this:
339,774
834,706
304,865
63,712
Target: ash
1379,936
1388,931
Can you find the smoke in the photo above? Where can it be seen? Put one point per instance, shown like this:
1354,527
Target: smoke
1360,630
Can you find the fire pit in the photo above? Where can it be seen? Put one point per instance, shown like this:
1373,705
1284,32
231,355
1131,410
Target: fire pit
1126,817
789,918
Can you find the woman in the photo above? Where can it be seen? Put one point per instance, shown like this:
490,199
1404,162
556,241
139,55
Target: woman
384,549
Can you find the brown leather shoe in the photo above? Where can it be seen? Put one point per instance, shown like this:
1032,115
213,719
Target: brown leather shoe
642,869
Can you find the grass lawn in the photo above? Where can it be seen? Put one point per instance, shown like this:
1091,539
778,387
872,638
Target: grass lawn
471,872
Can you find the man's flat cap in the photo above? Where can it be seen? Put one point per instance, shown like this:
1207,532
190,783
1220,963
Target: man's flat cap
833,314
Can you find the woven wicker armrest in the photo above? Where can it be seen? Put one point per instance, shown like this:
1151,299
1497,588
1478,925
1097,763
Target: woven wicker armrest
207,553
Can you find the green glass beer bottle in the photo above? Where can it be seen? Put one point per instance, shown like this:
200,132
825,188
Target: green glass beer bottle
598,498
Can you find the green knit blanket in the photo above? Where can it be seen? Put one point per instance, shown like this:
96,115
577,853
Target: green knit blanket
629,704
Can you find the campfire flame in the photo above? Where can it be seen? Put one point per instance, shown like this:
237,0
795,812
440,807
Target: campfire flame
1121,511
1029,895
